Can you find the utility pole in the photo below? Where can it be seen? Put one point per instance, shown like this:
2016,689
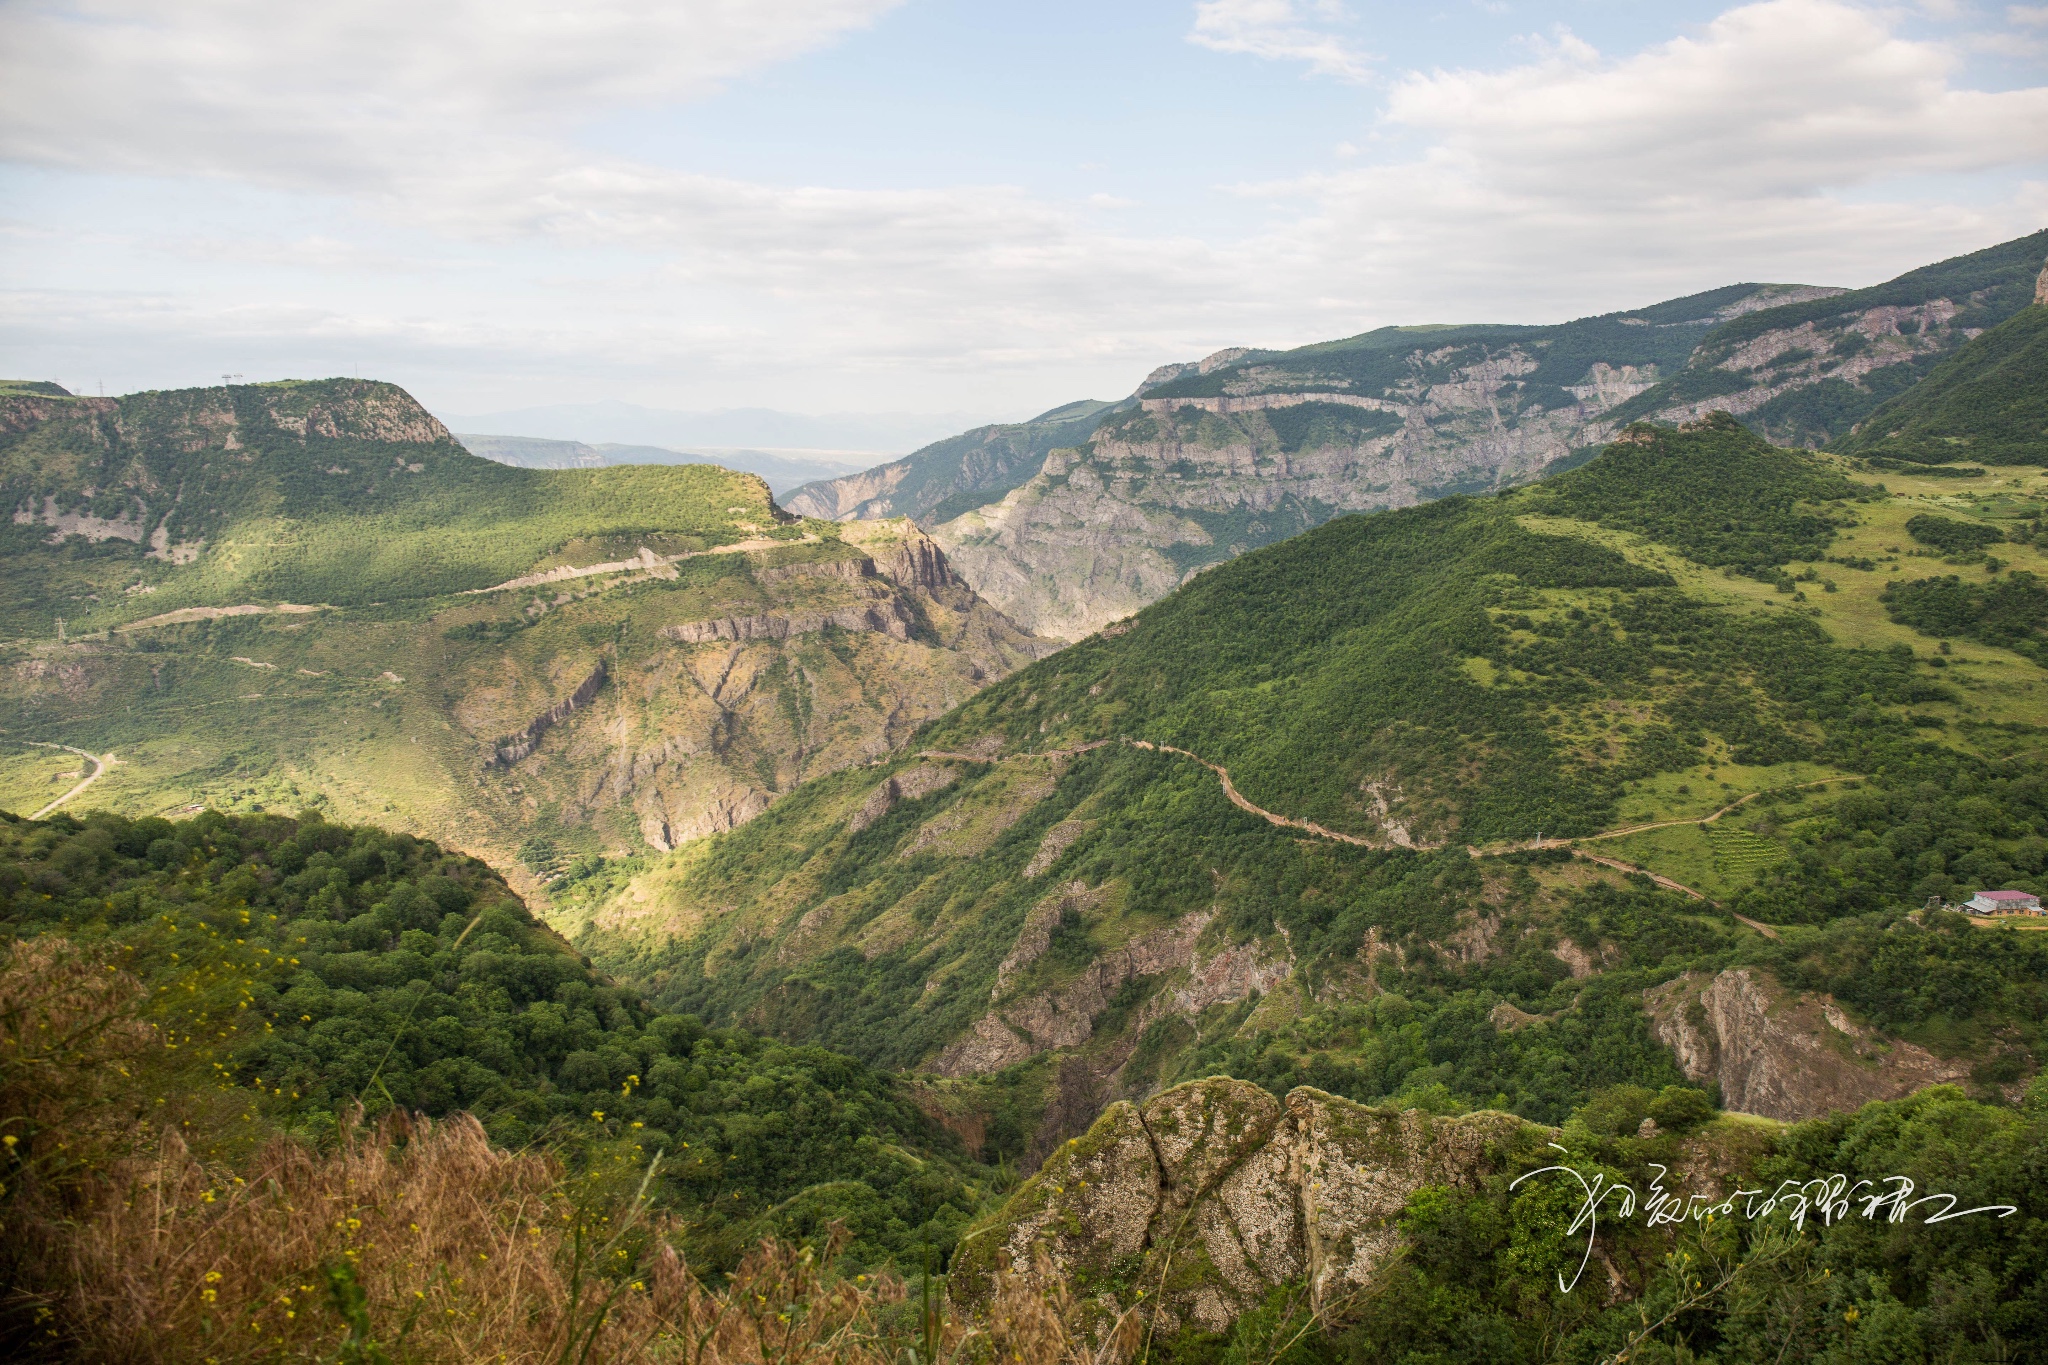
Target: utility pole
60,630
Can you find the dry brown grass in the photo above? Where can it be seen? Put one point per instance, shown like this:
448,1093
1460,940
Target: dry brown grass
137,1236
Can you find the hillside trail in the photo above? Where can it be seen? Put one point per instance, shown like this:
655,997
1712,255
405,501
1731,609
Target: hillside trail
645,561
1672,824
99,767
1243,802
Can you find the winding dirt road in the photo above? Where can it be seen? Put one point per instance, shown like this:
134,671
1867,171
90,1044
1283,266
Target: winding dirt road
1243,802
99,766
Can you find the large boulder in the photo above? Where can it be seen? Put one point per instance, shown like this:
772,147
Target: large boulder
1198,1205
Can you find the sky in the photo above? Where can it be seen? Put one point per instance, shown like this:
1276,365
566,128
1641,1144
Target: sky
951,206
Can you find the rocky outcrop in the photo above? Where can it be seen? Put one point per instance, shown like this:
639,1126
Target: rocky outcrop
1214,1192
793,661
1057,841
988,460
1036,935
1065,1017
851,495
852,570
886,617
511,750
127,525
1781,1054
918,562
908,785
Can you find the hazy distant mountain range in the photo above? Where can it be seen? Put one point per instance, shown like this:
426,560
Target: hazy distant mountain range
856,434
783,470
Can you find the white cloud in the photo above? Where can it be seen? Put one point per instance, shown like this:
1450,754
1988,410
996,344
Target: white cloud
1781,98
329,93
1771,144
1280,30
1774,142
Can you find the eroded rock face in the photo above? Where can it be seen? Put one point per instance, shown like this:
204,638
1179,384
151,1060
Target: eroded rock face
520,745
1065,1017
1090,1207
1782,1054
801,664
1231,1193
1155,496
909,785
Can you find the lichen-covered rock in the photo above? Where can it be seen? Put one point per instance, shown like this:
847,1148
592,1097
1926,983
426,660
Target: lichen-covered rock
1200,1204
1090,1207
1358,1167
1227,1227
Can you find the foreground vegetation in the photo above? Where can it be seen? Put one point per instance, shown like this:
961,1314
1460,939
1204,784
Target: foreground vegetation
153,1210
311,971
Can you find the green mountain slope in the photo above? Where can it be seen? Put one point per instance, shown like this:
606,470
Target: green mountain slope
1809,371
1988,402
338,491
279,594
951,476
1061,901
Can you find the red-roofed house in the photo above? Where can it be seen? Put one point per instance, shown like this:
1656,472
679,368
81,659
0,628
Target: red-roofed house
2005,903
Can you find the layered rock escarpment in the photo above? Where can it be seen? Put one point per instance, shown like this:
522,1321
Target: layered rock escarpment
1211,1194
150,468
1246,447
810,664
1187,481
1782,1054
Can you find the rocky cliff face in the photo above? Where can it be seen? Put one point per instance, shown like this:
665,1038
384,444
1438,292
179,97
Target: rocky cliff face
1247,447
569,662
1182,483
811,666
146,468
1214,1192
1863,356
1781,1054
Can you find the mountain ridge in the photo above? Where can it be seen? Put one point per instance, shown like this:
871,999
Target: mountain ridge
267,596
1460,407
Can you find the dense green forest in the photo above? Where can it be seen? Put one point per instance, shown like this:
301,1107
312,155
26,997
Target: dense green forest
1647,638
390,973
1356,670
